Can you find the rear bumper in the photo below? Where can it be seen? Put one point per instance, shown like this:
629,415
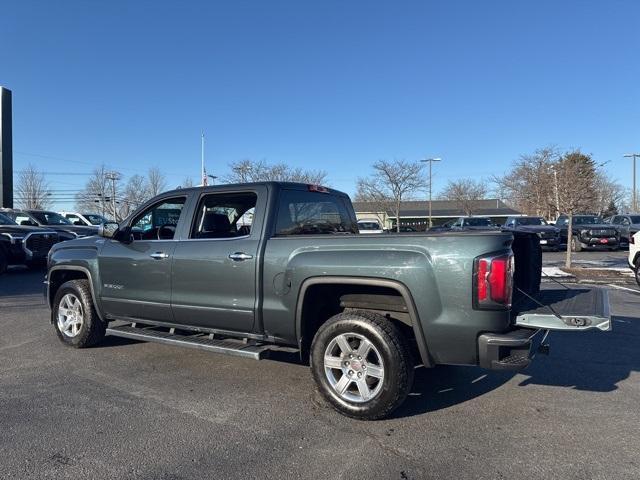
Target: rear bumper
597,242
508,351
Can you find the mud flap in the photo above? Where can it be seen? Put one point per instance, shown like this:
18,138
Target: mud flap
568,309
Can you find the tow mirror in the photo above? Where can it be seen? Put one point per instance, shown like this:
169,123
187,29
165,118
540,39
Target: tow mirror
108,229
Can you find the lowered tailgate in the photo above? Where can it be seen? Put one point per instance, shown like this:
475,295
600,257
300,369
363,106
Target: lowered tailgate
561,308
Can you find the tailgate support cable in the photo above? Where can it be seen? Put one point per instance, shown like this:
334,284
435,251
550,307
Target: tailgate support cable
542,304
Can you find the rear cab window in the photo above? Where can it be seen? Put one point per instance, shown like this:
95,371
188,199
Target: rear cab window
224,215
303,212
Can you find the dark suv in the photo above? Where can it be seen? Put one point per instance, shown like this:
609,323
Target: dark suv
50,220
589,231
627,225
549,235
21,245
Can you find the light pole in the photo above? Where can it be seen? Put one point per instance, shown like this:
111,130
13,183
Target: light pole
634,206
430,160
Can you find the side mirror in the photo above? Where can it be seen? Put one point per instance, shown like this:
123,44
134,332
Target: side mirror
108,229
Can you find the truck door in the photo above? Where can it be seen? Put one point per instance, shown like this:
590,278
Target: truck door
215,267
135,276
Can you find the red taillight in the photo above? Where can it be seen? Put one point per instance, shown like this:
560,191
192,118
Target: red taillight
632,239
494,281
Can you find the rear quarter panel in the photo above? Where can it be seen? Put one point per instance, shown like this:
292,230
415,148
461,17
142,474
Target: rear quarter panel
436,269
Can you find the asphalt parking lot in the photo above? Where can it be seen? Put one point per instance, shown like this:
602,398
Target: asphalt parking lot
598,258
149,411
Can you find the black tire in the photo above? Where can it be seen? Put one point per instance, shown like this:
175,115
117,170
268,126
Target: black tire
4,263
576,246
92,329
637,271
396,358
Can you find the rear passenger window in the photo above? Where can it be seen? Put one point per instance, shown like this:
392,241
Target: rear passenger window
224,215
309,213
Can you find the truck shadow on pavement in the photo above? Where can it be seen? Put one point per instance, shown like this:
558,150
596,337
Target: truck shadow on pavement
19,281
591,361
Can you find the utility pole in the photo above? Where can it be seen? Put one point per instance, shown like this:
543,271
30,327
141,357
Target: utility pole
634,205
203,171
430,160
113,176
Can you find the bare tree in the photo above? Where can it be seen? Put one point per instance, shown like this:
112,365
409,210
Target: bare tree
531,183
156,182
465,193
136,192
186,183
33,189
576,173
245,171
97,194
608,194
390,183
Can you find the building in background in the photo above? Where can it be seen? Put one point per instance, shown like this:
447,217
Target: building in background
415,214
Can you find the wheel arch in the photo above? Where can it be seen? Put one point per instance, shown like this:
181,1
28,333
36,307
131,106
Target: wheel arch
304,335
58,275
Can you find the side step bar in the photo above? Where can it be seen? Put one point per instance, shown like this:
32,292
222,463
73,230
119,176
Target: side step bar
198,340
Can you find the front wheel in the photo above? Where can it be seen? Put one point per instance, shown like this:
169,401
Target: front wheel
362,365
74,317
636,270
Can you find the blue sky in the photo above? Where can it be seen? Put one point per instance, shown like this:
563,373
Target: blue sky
333,85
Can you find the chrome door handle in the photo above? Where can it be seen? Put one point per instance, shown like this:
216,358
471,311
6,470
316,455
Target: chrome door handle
159,255
240,256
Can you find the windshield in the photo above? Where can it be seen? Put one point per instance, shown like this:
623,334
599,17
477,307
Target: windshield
590,220
368,225
635,218
477,222
531,221
95,219
4,220
50,218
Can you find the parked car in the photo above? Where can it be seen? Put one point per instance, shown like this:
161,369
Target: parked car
50,220
634,255
627,225
363,309
549,235
589,231
369,225
442,228
22,245
473,223
86,219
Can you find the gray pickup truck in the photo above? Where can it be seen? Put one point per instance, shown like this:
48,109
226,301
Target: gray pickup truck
254,268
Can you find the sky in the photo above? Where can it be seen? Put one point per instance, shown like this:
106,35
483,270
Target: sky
331,85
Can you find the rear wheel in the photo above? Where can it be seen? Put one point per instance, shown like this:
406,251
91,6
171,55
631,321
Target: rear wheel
362,365
74,316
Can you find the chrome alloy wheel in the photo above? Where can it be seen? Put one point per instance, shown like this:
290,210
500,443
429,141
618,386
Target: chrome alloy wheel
354,367
70,315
